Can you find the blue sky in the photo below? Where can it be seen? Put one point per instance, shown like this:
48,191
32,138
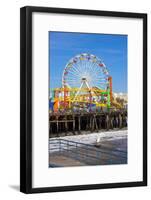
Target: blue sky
112,49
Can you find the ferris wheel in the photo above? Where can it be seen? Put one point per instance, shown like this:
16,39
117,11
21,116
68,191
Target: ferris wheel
85,68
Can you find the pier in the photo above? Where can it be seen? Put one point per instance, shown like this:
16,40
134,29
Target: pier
61,124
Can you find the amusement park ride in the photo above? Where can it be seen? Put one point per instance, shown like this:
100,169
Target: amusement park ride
86,86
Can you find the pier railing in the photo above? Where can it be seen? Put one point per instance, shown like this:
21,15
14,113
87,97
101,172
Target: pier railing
86,153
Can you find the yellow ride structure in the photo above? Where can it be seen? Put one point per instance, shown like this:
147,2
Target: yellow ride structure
83,97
